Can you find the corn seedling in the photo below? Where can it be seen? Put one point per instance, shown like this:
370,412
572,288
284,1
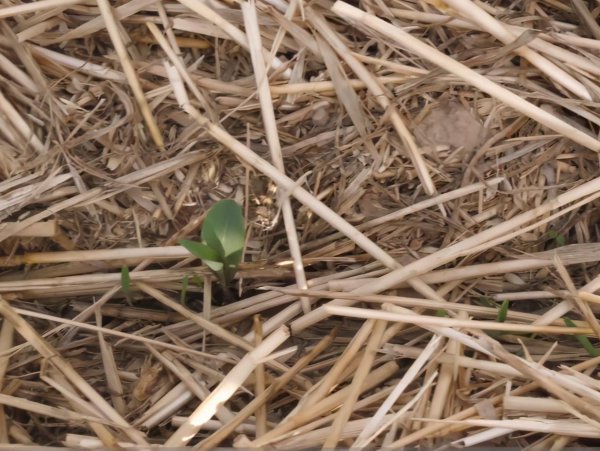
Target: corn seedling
222,245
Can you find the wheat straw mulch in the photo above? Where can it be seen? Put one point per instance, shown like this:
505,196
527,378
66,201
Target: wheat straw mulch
419,181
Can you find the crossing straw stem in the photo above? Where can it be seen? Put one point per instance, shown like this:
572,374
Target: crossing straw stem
405,40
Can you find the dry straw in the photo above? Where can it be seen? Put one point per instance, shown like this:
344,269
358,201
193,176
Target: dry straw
420,187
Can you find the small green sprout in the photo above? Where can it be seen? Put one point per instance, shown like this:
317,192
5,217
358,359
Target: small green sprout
441,313
583,340
186,282
501,318
503,312
223,236
184,288
559,238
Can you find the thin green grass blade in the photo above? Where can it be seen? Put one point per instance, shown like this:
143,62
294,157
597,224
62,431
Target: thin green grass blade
503,312
184,287
583,340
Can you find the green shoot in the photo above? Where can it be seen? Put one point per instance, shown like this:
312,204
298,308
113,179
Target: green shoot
223,236
583,340
184,288
503,312
559,238
501,318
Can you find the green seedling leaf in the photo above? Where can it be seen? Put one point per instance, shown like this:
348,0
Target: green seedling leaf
503,312
559,238
215,266
223,229
441,313
231,264
501,318
184,287
200,250
223,237
583,340
209,257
